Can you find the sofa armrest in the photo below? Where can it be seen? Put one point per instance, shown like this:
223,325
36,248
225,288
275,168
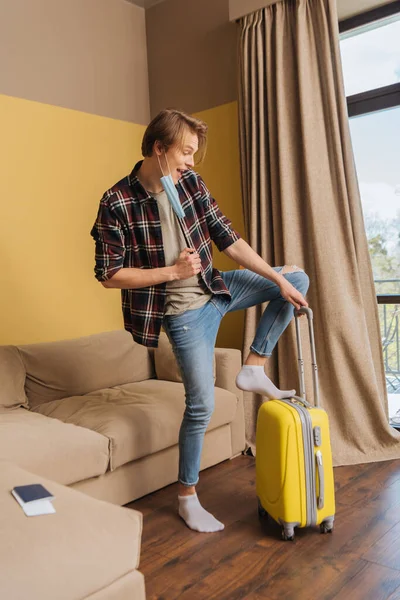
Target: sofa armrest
228,364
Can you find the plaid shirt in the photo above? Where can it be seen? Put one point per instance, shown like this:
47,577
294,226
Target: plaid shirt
127,232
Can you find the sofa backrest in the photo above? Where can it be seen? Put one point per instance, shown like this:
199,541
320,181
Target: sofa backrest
12,379
56,370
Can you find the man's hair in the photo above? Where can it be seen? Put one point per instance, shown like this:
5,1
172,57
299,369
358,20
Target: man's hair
169,128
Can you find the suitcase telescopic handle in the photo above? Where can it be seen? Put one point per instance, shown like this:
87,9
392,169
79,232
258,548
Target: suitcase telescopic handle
309,313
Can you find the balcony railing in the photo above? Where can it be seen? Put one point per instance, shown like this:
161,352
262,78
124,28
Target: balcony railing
389,317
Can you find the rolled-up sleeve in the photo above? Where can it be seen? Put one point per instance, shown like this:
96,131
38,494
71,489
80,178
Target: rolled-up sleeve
219,226
110,243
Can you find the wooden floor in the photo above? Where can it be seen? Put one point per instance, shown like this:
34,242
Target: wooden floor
360,560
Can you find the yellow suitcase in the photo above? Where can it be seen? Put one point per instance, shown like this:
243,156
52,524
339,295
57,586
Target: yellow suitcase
294,473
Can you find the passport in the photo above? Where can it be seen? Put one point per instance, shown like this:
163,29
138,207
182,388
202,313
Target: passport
32,492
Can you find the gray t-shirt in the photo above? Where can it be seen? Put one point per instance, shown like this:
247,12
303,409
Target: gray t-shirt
182,294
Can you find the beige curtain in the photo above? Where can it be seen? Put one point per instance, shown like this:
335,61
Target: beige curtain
302,206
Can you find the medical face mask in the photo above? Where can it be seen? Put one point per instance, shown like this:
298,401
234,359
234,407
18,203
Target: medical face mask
171,191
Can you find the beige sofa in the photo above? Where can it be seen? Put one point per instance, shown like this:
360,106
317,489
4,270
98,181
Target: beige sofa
98,415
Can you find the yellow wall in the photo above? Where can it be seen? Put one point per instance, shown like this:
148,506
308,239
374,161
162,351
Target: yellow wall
221,172
56,163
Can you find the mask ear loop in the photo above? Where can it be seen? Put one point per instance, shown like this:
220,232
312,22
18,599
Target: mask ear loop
159,162
165,154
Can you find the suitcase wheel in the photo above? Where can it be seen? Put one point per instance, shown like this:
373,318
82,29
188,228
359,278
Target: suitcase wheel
262,513
287,536
326,528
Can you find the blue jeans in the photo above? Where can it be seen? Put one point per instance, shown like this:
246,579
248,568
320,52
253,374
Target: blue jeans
193,335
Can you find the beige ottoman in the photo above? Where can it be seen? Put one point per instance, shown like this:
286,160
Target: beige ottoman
87,549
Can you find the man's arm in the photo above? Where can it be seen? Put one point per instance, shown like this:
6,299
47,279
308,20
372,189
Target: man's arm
242,253
219,226
131,278
187,265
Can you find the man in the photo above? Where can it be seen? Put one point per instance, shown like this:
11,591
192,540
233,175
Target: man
153,236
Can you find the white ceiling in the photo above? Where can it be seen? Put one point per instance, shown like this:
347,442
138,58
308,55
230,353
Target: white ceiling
346,8
145,3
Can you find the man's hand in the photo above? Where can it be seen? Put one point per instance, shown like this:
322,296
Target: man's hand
188,264
289,292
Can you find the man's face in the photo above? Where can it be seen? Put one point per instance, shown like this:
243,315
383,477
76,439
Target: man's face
181,158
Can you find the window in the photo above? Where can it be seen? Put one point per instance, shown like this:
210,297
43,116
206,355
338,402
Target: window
376,145
370,51
371,55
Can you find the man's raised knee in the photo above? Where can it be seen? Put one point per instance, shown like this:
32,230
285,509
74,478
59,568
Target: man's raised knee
301,281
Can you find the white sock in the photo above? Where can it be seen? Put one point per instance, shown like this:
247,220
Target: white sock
196,517
252,378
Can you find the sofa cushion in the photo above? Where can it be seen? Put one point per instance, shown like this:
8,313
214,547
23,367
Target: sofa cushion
138,418
82,548
165,363
128,587
12,378
48,447
75,367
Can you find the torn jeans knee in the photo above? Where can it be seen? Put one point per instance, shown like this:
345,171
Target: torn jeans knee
291,269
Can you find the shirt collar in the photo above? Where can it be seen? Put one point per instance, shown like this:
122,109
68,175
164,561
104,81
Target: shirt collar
140,192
